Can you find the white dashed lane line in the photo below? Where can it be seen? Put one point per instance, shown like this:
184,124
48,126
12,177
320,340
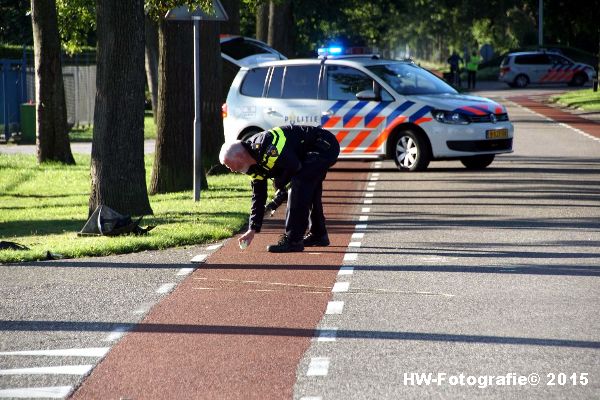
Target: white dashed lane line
319,366
117,333
165,288
334,308
185,271
50,392
340,287
85,352
327,334
346,270
350,256
59,370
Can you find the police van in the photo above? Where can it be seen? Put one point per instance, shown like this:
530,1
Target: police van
522,68
377,109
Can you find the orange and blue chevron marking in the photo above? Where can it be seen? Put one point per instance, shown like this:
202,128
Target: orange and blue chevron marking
562,73
362,122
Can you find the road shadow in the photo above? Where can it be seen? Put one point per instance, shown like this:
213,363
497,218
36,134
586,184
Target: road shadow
189,329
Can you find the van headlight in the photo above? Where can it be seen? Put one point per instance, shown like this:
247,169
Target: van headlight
450,117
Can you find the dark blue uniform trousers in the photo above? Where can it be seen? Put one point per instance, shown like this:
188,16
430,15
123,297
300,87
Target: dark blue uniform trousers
306,191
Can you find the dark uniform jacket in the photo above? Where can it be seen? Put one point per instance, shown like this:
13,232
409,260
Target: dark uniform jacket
279,153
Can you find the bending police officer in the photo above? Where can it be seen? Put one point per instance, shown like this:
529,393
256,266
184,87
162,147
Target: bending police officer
295,155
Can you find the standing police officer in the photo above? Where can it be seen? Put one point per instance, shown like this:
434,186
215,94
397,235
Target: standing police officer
296,155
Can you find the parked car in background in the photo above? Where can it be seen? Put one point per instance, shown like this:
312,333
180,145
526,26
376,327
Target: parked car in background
522,68
243,51
239,51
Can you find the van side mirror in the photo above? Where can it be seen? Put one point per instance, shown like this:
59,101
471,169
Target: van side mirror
367,95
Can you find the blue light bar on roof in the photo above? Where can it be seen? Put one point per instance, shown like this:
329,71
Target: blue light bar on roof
330,51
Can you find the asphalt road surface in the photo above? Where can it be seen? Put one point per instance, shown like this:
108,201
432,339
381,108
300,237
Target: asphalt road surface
442,284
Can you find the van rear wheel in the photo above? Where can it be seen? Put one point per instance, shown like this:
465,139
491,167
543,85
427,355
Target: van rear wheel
521,81
578,80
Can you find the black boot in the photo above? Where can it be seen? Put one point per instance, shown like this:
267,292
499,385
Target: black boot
311,240
285,245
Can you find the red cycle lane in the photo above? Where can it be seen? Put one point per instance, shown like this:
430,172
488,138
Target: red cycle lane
238,326
588,126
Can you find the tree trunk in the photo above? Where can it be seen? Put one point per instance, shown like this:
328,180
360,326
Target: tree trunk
117,170
232,8
281,21
151,33
212,78
173,158
51,110
262,21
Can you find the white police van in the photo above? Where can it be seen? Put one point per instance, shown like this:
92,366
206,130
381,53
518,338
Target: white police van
376,108
522,68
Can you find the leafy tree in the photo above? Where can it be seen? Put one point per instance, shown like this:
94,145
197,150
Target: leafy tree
117,170
77,23
15,24
51,111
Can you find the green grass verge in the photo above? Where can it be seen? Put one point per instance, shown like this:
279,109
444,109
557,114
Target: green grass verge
43,207
585,99
84,134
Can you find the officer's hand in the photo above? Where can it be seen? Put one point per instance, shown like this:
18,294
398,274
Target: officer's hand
270,208
245,240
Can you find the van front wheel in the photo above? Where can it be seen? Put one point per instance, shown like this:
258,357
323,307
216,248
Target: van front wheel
411,152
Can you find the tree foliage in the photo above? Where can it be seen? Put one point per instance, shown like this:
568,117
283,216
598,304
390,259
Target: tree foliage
15,22
76,22
431,29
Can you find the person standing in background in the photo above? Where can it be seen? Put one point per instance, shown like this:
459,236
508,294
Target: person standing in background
472,67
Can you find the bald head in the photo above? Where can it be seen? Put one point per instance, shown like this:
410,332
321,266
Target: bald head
235,157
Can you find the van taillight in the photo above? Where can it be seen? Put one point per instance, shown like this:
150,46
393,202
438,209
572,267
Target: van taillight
504,70
224,110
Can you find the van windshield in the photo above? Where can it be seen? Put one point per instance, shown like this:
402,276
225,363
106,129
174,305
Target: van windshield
407,79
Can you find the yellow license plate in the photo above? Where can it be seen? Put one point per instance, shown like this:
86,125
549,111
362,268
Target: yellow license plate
496,133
